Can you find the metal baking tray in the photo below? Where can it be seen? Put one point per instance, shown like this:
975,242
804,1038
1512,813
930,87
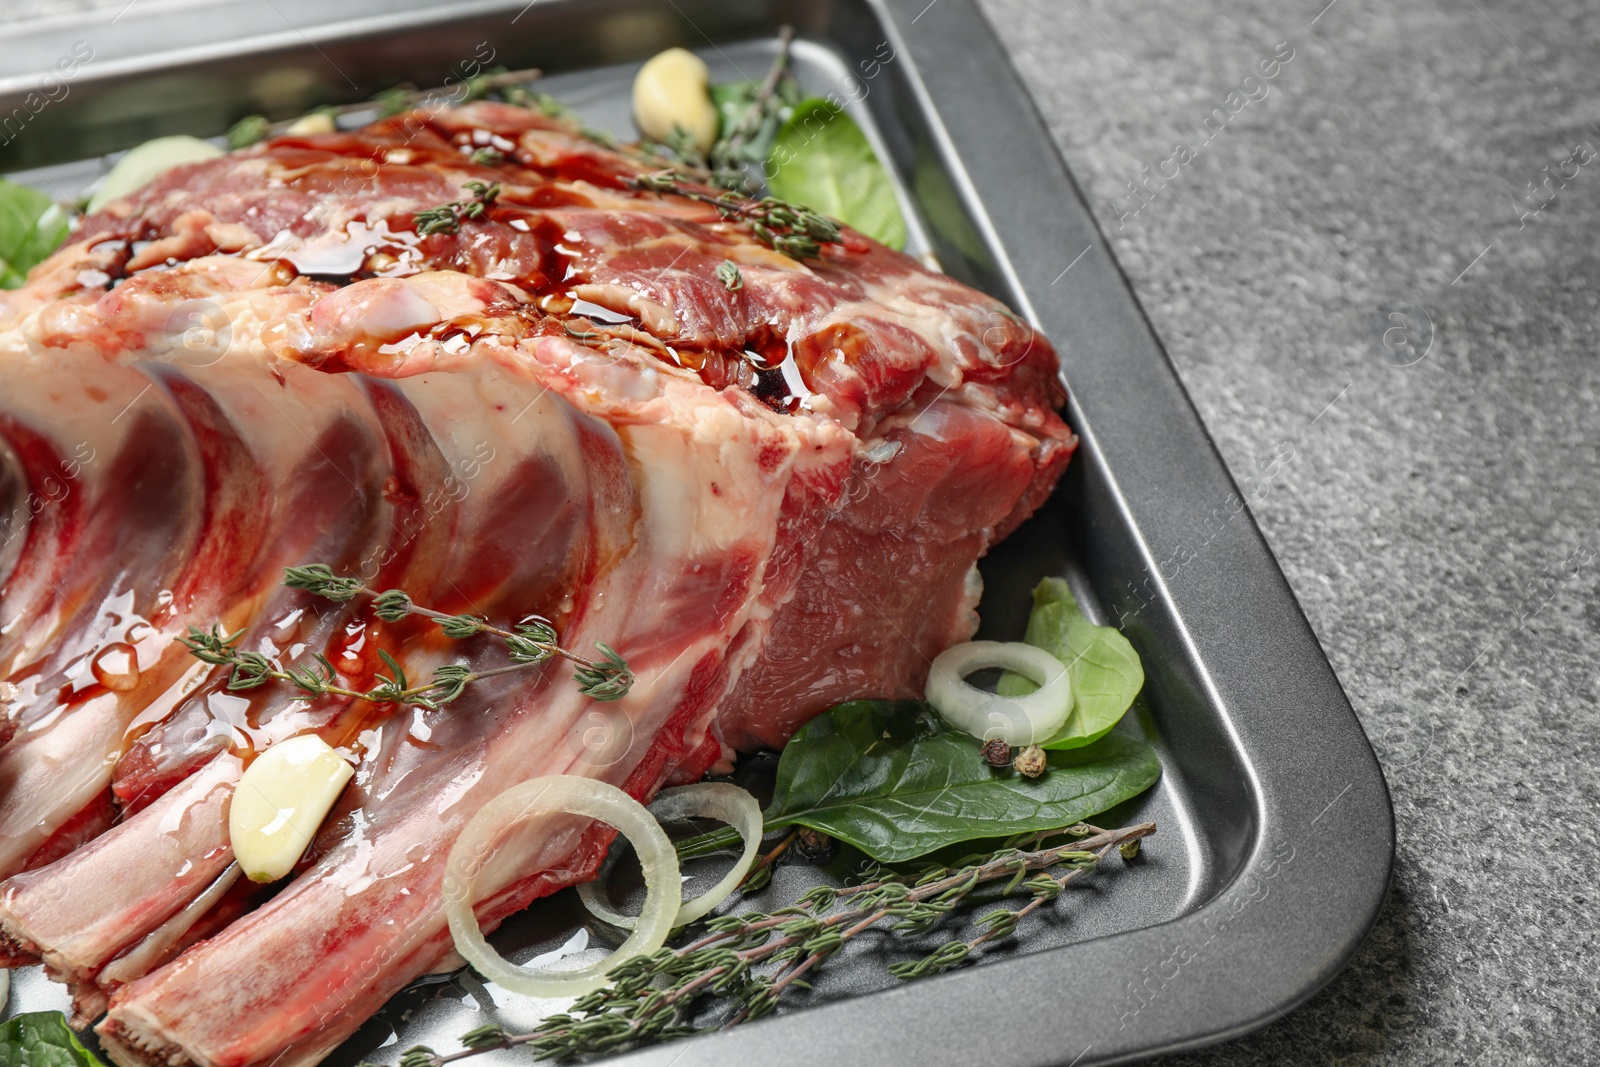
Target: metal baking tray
1276,833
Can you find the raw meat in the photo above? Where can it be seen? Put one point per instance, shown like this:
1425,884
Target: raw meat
767,498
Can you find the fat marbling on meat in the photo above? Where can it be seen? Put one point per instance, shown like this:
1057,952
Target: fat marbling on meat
768,498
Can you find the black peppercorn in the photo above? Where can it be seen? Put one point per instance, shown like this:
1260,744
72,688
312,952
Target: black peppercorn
996,753
813,846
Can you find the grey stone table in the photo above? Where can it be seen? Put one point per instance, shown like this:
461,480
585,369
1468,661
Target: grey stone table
1429,169
1438,523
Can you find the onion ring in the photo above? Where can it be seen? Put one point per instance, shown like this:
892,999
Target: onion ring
570,794
712,800
1022,720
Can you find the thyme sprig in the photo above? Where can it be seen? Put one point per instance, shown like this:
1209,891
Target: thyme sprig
530,643
253,669
793,229
496,81
446,218
744,140
680,151
737,147
550,107
253,128
744,964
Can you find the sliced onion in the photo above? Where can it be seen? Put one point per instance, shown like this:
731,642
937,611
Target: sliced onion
5,987
146,162
711,800
570,794
1023,720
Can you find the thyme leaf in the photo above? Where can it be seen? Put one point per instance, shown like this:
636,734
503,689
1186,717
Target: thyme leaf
395,100
790,228
483,194
450,681
211,647
728,274
318,578
433,220
608,680
742,966
394,687
679,150
447,218
548,105
247,131
533,641
391,605
462,626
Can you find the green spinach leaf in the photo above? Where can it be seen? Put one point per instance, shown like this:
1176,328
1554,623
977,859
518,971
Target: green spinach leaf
31,227
42,1039
1105,670
821,159
890,779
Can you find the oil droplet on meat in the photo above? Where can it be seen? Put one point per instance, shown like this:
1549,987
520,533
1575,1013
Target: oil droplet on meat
116,667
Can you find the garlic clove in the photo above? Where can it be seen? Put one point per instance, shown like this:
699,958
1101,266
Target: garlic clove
314,123
280,802
672,90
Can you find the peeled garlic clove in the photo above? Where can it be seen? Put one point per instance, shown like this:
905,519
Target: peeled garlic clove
280,802
671,90
144,163
314,123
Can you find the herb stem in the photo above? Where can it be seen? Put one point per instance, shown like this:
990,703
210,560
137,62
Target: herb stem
447,218
711,842
530,644
760,872
510,668
652,996
780,65
489,628
793,974
783,846
252,128
757,114
793,229
533,641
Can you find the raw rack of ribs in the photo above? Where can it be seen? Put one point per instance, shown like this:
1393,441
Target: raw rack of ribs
768,498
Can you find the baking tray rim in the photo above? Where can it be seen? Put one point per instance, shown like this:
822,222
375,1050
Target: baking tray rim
1189,1014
